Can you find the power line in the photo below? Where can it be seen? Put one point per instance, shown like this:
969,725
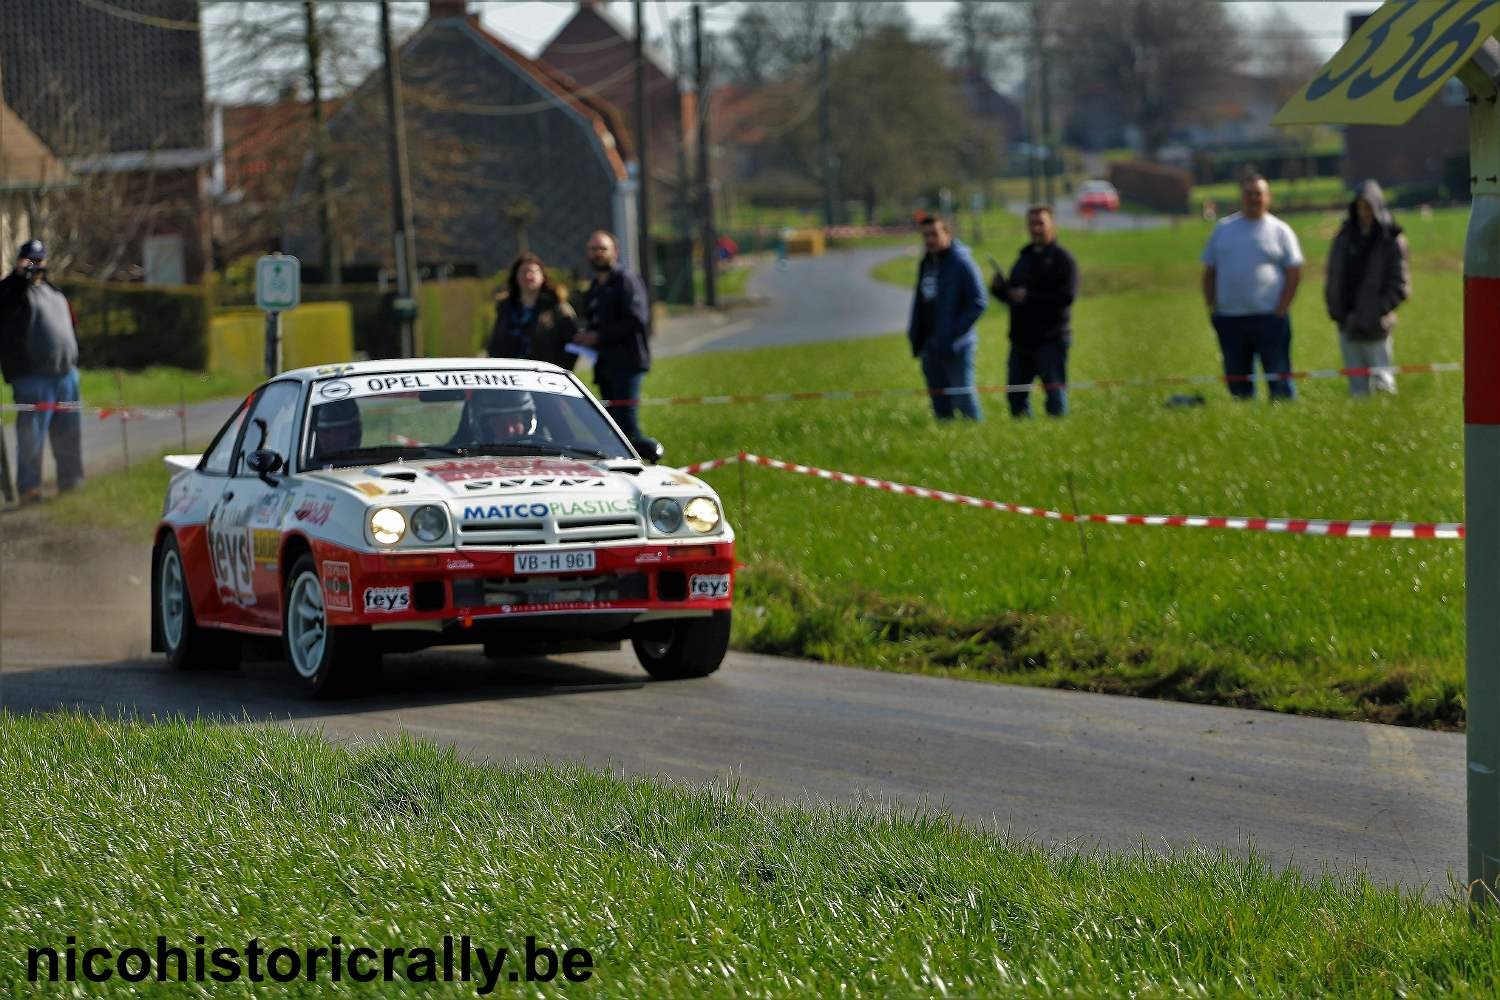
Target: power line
151,20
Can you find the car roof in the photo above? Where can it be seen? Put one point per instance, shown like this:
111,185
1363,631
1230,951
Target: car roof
357,368
1096,186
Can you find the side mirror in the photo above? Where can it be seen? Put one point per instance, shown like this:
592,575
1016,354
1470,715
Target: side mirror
264,462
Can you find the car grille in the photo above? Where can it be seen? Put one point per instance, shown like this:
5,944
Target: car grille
549,531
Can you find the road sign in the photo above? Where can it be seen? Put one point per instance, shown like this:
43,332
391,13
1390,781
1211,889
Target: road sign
278,281
1395,63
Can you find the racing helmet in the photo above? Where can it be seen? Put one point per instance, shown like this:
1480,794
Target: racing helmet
336,427
501,415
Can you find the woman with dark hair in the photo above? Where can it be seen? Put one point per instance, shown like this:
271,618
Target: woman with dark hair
532,317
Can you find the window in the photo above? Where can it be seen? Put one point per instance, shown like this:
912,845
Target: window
216,462
271,423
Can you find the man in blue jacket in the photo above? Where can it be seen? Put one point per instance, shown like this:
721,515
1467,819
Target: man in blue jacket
949,300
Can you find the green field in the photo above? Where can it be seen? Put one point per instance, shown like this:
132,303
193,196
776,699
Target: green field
1355,628
117,833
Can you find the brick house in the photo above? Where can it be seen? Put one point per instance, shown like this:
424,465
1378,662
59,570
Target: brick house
504,152
116,92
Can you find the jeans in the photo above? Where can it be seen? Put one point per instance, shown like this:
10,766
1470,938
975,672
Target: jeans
622,385
1047,361
1242,338
34,427
952,371
1368,354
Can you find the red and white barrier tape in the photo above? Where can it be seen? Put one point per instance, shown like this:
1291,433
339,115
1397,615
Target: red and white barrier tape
1281,525
1102,383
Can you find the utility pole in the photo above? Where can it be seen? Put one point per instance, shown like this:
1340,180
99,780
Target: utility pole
401,208
1045,94
643,158
825,131
705,187
327,213
1032,127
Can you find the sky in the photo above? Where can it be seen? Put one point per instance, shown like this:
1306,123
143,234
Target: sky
529,25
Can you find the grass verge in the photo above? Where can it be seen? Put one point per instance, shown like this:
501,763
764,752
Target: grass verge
118,832
159,386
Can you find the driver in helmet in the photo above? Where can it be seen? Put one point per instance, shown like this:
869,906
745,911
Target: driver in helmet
498,416
336,428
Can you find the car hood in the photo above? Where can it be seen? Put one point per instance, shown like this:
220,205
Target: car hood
462,479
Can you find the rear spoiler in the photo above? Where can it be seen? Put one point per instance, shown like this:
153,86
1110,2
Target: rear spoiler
181,463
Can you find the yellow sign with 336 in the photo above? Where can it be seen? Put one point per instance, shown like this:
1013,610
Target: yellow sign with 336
1394,63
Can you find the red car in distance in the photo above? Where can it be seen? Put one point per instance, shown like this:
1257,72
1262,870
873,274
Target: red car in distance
1095,196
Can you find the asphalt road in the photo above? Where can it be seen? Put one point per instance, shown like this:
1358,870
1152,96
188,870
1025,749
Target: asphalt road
804,301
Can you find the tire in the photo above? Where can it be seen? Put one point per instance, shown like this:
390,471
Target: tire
326,662
687,647
188,645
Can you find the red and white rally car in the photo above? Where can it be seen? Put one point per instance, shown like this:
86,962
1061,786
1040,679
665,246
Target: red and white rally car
392,505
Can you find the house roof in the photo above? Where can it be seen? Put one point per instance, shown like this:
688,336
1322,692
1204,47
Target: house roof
573,38
25,161
602,116
260,139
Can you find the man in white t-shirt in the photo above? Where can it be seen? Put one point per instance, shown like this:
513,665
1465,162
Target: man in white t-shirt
1251,268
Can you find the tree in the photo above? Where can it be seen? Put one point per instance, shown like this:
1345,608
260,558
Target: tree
899,123
982,32
1155,57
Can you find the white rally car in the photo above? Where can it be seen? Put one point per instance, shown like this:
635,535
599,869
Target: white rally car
384,506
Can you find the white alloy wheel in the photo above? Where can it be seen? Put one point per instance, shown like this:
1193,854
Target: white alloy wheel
306,626
173,598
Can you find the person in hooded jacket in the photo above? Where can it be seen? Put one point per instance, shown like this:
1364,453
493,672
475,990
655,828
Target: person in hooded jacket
950,298
1368,277
532,317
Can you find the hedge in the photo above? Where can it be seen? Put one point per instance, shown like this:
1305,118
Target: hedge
135,326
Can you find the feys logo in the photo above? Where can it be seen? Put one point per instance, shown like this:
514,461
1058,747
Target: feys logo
493,468
387,600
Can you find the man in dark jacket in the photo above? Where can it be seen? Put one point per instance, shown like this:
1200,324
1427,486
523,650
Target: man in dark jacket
617,314
1040,291
1368,277
948,302
39,358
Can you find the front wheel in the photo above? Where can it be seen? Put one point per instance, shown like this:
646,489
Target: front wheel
684,647
188,645
326,661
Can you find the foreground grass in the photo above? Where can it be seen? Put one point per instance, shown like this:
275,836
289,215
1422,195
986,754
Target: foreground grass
116,833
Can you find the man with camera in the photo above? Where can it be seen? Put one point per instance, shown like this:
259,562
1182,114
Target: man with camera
39,358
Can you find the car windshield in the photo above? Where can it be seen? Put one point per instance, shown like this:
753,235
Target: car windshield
430,414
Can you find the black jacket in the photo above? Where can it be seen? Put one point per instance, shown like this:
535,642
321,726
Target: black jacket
615,308
543,337
1368,276
1050,277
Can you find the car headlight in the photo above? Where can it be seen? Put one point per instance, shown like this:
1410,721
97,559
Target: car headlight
665,514
429,523
701,514
387,525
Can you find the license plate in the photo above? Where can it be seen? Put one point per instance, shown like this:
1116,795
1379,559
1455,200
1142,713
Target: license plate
554,562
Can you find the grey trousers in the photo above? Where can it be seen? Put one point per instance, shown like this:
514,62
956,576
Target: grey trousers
1368,354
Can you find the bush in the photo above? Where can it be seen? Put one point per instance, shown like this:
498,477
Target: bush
135,327
1166,189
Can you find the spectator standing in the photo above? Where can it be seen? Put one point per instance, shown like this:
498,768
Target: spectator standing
1251,268
618,316
532,317
39,358
1368,277
949,300
1040,291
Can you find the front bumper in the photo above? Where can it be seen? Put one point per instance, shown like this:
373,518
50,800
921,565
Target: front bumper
422,589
